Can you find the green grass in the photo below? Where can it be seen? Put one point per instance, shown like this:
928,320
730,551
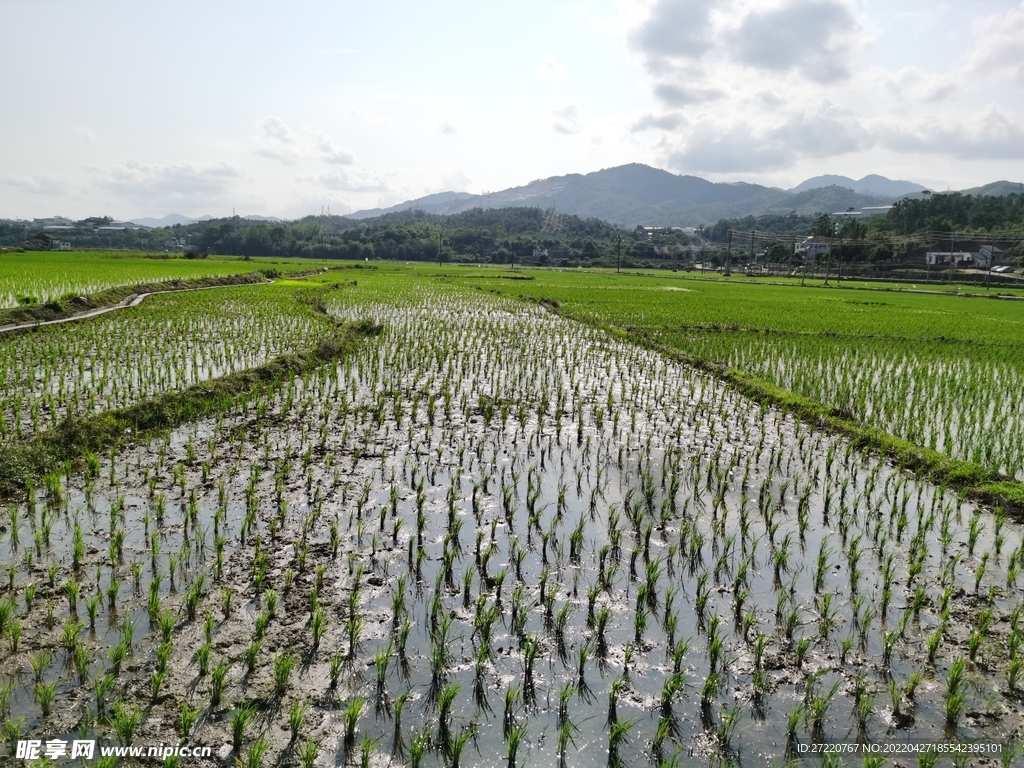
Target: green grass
166,344
664,302
41,277
73,437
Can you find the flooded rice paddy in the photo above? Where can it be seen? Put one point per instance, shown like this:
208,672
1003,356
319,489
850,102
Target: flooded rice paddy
496,537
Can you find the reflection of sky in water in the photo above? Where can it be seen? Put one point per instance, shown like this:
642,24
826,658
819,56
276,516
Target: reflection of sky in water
700,465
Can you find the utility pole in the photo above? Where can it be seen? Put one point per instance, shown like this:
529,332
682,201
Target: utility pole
952,257
828,259
439,249
991,258
728,251
839,279
618,254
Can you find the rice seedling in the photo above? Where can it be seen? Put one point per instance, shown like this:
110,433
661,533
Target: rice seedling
189,717
45,693
513,741
296,715
418,749
308,753
617,736
706,493
283,665
12,731
126,722
203,658
254,758
241,717
956,697
353,711
218,676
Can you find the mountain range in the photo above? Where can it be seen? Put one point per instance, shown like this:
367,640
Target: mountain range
634,194
873,184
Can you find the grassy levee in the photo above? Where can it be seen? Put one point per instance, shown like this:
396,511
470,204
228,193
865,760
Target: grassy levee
970,479
56,310
898,415
73,437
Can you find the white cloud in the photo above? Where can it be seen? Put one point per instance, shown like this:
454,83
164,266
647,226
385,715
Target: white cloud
40,184
912,84
830,131
566,120
770,100
329,153
666,122
998,49
453,180
675,29
715,145
279,142
813,37
348,181
171,184
743,86
282,156
369,117
550,68
275,128
990,135
734,66
679,95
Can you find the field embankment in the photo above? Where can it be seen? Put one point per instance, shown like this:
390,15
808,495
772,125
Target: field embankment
75,436
936,382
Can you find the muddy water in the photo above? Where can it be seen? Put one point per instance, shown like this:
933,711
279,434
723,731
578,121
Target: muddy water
727,488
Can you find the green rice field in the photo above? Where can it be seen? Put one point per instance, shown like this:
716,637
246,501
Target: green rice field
943,372
424,517
39,277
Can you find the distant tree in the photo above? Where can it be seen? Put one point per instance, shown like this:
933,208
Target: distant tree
822,226
853,230
778,252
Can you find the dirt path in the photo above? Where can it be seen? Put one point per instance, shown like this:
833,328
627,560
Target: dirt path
130,301
126,303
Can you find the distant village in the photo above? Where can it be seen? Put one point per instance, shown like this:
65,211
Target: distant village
54,230
769,254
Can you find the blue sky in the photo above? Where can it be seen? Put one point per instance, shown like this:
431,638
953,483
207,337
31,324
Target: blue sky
142,109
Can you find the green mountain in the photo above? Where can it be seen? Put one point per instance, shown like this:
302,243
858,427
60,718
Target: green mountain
872,184
634,194
996,189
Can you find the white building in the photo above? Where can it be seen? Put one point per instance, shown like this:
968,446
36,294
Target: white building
118,226
987,256
875,210
53,221
959,258
811,248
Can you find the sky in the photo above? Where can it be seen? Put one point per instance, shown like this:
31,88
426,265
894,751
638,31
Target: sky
134,109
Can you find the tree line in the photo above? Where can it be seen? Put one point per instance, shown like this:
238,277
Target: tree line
535,236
